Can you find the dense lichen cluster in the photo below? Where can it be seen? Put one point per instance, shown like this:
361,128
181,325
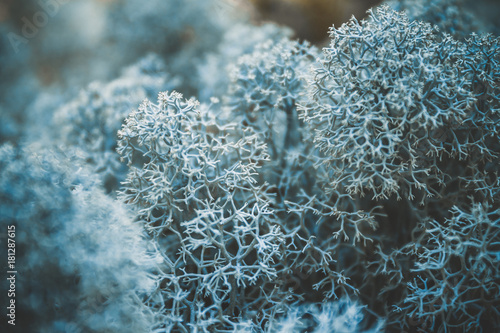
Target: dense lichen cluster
353,189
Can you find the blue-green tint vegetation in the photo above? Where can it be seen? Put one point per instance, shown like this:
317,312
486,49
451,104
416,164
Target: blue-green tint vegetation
170,166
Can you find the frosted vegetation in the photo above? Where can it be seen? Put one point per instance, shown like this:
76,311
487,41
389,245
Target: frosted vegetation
182,169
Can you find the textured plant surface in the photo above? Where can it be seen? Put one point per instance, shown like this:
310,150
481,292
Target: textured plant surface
238,180
456,271
197,189
385,93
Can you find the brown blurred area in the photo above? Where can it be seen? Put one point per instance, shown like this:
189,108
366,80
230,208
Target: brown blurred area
12,8
310,19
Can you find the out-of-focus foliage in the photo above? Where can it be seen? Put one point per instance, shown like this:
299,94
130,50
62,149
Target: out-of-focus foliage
341,315
16,87
451,16
91,121
83,265
214,69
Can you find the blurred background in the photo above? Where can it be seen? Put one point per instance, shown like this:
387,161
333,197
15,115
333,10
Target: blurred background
308,19
51,49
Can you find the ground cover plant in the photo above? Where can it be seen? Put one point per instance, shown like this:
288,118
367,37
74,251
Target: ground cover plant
200,172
